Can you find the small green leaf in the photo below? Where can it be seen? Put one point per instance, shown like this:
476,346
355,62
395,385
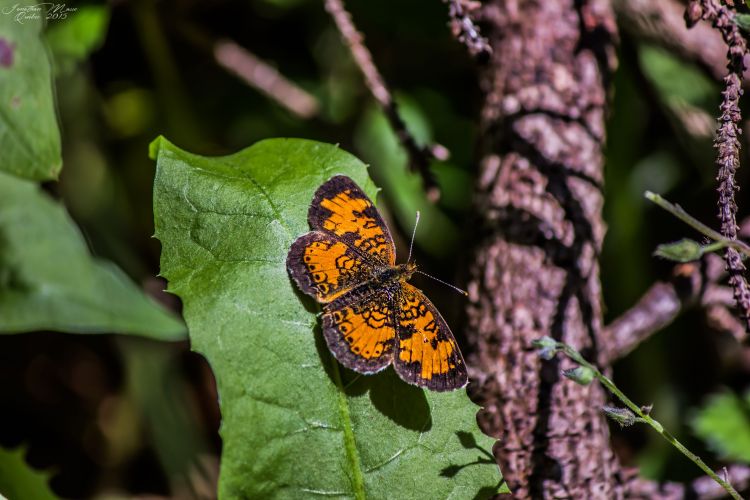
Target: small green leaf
29,136
72,39
48,280
684,250
296,424
724,423
19,480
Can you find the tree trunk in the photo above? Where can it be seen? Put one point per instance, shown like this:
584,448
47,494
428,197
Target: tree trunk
535,270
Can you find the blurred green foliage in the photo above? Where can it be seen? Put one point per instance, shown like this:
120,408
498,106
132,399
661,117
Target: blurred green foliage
19,480
48,280
724,423
72,41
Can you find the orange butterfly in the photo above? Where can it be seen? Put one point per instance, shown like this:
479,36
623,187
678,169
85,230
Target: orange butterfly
371,316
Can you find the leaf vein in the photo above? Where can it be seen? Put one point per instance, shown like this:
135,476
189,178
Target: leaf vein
352,454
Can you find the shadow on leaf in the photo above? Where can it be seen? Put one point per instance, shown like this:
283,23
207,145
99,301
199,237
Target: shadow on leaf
404,404
469,442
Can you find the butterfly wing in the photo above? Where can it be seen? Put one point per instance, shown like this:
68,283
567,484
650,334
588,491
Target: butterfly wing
426,354
325,267
342,209
359,329
347,246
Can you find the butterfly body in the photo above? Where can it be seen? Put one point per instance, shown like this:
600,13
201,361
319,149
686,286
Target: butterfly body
372,317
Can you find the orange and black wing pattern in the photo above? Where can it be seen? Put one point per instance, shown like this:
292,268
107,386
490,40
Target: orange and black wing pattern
371,317
347,246
326,267
340,208
426,354
360,330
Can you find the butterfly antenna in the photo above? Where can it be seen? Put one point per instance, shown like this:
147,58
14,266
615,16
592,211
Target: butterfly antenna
414,233
444,283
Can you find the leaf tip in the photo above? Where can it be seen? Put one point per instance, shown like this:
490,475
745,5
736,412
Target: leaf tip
155,146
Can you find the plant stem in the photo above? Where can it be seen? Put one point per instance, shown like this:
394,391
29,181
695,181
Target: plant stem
691,221
716,245
643,417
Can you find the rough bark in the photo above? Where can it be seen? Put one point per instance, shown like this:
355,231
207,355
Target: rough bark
535,270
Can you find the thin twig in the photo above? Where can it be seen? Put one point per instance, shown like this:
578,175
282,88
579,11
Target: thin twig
464,28
727,141
692,284
549,346
255,72
419,156
264,77
657,308
691,221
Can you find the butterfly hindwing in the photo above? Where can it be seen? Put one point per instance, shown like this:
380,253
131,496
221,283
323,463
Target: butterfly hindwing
325,267
359,329
426,354
343,210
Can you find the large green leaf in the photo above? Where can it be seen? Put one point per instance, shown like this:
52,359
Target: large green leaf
296,424
48,280
29,137
18,480
724,423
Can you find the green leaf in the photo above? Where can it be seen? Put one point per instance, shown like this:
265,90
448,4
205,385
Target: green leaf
18,480
296,424
724,423
72,39
29,136
743,21
48,280
674,78
684,250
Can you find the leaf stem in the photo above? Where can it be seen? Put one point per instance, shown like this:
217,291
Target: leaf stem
691,221
644,417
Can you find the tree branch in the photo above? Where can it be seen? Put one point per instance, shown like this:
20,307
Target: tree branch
693,283
663,23
464,28
419,156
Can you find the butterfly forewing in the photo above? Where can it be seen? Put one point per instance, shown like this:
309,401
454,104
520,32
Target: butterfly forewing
342,209
326,267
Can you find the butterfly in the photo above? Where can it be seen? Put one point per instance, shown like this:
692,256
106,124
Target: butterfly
371,316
